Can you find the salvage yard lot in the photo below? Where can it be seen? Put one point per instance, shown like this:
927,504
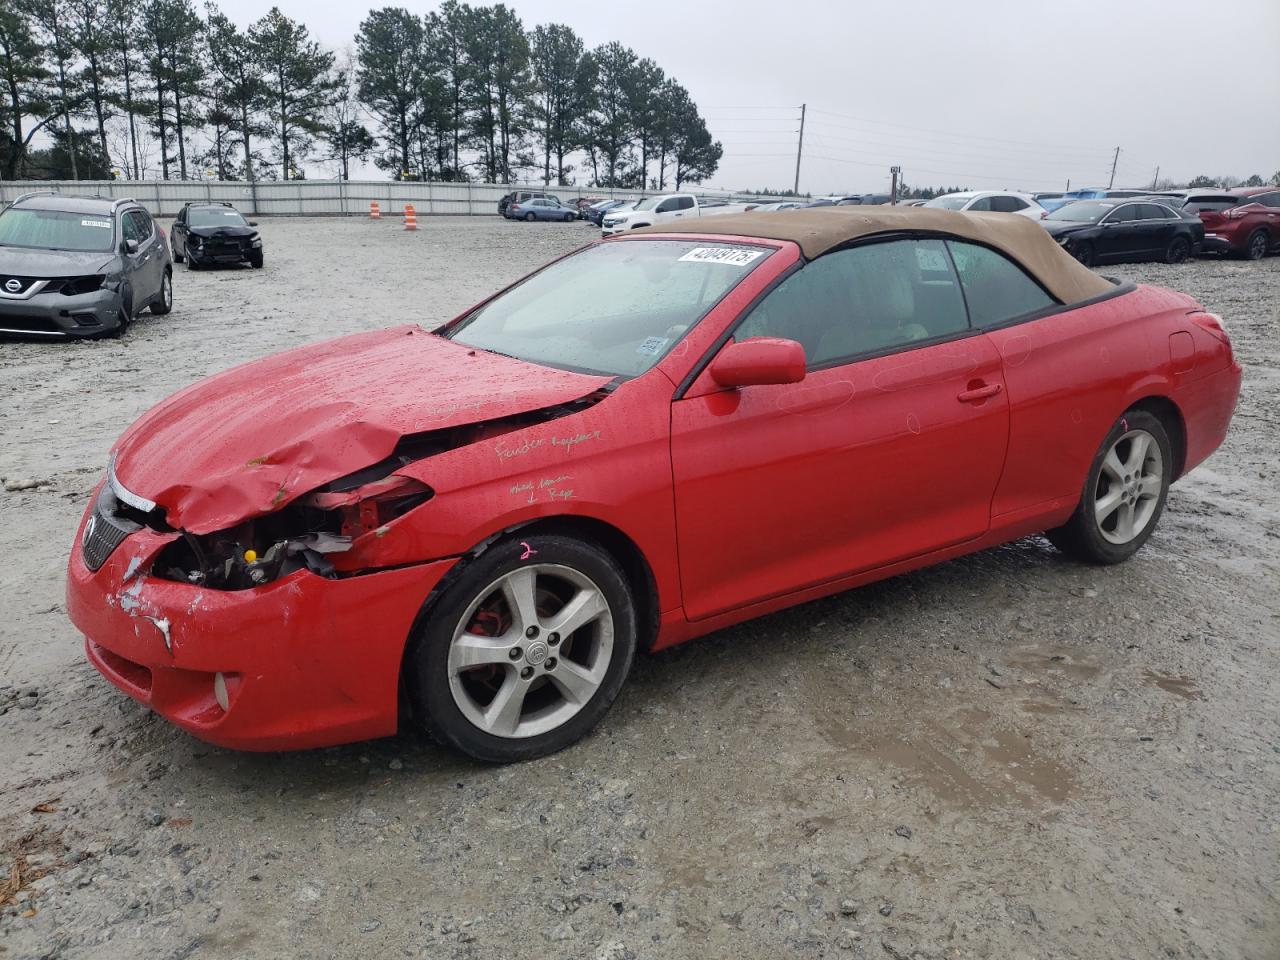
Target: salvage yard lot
1009,755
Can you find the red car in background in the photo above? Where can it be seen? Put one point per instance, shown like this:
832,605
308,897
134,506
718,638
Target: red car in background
1250,228
649,439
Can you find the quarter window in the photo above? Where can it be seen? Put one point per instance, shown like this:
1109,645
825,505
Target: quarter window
982,203
1266,199
995,288
863,300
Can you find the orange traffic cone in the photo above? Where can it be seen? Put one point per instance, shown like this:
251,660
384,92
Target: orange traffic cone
375,212
410,217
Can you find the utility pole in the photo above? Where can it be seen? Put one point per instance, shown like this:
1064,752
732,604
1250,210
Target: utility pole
799,149
1155,181
1114,161
893,190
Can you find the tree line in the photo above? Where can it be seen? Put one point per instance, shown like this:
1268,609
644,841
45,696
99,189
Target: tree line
464,92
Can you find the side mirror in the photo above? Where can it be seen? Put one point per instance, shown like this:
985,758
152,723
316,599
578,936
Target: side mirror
759,361
253,223
131,247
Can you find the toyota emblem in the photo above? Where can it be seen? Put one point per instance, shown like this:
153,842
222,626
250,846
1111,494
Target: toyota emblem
88,529
13,285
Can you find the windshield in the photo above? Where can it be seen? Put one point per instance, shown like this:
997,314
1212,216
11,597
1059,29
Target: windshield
949,203
648,203
55,229
613,308
215,217
1082,211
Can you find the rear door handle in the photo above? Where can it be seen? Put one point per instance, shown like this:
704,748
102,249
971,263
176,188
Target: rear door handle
982,392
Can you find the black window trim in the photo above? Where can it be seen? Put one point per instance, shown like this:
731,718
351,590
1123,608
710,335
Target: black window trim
1121,287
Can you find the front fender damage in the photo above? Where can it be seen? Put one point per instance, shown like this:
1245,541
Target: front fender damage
332,530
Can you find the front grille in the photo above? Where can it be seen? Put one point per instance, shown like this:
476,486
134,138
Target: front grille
25,284
105,529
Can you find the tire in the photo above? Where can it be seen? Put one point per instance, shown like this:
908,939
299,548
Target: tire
569,218
191,262
1083,252
1179,250
177,257
255,260
530,217
1255,248
475,650
1098,535
163,305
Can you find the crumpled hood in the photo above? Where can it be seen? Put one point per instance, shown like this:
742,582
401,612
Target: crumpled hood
221,231
245,442
17,262
1061,228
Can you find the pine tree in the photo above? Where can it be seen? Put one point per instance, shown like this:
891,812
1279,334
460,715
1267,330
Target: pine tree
555,59
389,54
24,75
297,72
239,78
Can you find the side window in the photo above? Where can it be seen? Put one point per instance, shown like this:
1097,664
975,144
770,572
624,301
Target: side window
983,203
129,227
1004,204
666,206
863,300
144,222
1153,211
1267,199
996,288
684,203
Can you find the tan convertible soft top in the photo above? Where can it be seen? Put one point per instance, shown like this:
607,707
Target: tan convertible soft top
819,229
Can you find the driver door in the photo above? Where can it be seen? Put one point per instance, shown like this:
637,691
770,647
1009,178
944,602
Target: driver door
890,447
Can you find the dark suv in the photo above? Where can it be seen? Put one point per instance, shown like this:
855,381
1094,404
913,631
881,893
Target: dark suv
80,266
208,233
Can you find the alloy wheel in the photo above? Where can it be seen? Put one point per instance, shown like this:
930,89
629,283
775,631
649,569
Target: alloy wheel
1258,246
530,651
1129,485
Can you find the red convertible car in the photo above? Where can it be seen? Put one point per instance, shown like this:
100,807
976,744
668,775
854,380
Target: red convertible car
648,439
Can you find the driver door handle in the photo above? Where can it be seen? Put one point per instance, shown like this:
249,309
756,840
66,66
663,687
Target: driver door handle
980,392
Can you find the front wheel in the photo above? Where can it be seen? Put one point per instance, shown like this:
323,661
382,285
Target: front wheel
1124,494
526,651
1179,250
165,303
177,253
1083,252
255,259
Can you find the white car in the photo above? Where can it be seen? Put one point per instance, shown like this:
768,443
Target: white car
999,201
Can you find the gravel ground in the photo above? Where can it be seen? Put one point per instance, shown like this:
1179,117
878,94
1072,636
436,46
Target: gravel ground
1006,756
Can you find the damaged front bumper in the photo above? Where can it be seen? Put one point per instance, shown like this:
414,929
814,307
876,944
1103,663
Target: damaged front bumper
303,661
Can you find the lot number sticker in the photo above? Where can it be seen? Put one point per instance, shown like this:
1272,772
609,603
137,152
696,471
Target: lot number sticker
652,346
96,223
735,258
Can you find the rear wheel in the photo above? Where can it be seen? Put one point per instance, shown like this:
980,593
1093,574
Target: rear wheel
1179,250
164,304
568,217
1256,247
525,651
530,217
255,259
1124,494
1083,252
177,254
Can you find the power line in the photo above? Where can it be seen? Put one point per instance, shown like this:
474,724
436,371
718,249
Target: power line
839,143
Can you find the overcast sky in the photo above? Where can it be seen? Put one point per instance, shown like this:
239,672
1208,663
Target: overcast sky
982,93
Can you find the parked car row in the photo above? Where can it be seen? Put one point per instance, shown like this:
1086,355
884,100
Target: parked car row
78,266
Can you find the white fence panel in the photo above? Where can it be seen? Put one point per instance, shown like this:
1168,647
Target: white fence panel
291,198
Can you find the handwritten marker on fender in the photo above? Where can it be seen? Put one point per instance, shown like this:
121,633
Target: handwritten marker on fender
410,217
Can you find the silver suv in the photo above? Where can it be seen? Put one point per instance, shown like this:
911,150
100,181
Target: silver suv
80,266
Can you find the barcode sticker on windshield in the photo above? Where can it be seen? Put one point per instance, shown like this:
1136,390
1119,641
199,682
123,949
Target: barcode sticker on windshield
96,223
735,258
652,346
